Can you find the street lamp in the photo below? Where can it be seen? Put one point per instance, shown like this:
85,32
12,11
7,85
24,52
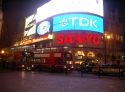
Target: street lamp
2,51
106,37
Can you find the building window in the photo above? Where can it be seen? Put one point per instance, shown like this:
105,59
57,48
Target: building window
121,38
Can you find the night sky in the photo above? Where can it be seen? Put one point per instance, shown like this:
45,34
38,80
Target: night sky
31,5
16,10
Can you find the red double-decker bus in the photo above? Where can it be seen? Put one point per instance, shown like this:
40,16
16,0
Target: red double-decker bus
54,61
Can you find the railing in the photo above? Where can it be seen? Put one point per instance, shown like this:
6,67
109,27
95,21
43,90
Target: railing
103,70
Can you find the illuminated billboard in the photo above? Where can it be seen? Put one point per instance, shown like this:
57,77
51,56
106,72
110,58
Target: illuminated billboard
30,26
43,28
77,22
55,7
80,38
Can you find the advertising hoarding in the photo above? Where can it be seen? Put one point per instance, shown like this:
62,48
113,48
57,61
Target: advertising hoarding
43,28
30,26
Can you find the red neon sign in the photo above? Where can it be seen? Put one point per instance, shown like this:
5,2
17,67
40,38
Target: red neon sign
78,38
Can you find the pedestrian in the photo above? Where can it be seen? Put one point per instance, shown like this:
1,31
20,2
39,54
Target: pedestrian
82,69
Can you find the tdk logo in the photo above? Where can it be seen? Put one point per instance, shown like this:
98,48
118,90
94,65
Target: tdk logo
81,22
78,22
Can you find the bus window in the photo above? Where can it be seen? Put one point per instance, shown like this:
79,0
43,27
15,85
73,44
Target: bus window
43,60
68,56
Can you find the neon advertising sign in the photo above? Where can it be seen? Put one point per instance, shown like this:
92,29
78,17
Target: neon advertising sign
73,21
85,39
77,22
78,29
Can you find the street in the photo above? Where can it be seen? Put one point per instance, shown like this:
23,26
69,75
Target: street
22,81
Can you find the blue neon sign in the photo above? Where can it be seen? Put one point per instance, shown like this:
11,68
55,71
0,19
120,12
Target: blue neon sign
78,22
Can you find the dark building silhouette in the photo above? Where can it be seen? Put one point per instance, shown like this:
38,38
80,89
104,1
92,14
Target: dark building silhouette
1,17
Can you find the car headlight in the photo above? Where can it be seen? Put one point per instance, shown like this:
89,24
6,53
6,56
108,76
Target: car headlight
22,66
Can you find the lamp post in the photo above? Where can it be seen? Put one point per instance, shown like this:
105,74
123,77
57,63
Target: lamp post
106,37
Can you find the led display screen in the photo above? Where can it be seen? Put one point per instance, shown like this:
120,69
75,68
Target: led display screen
55,7
77,22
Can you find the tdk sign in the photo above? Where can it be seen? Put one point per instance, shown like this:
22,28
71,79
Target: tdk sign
76,22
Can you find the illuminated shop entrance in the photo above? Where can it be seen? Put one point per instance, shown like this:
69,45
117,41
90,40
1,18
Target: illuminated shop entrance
79,57
91,57
83,56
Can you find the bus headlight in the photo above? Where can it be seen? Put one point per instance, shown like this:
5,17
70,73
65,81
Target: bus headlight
65,66
32,66
22,66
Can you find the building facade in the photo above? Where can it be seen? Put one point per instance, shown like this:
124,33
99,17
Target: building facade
86,33
115,29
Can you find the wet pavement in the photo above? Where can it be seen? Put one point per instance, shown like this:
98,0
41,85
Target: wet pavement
21,81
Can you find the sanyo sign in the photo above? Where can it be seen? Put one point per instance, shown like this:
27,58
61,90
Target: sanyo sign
84,22
55,7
